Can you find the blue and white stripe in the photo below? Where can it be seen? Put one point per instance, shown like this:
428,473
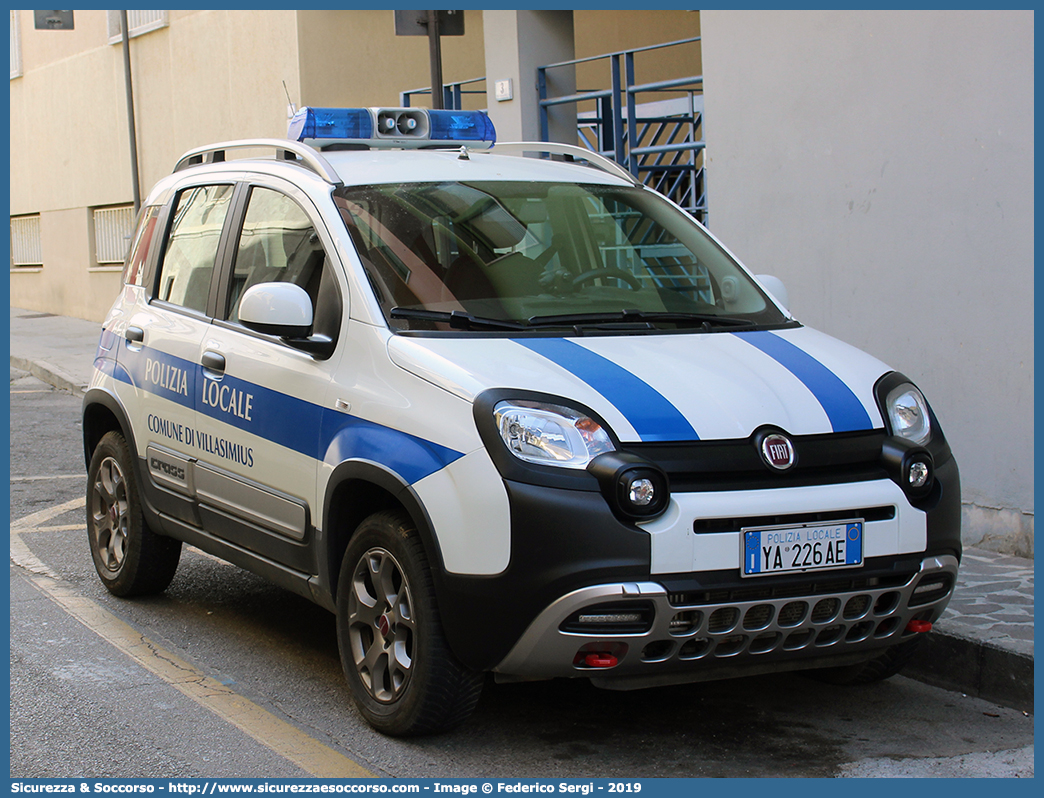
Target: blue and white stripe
692,387
297,424
843,408
653,417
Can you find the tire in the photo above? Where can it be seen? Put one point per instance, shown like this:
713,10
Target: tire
130,558
404,679
875,670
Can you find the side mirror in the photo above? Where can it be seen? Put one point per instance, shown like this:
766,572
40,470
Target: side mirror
283,309
775,286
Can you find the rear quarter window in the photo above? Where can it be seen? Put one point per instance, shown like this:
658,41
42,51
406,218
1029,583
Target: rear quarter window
134,266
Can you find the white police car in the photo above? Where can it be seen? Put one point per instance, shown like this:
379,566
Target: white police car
503,414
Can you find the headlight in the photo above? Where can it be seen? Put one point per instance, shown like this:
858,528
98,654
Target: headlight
908,414
549,434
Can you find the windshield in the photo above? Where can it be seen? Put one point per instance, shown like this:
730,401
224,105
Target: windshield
518,255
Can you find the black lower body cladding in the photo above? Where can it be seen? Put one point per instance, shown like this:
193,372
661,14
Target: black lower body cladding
561,540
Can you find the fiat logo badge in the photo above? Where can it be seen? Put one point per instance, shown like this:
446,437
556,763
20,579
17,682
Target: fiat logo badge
777,451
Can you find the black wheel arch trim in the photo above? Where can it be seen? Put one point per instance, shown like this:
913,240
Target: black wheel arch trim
561,540
331,540
100,396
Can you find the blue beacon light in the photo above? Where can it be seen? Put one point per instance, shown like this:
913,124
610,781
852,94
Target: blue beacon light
330,123
461,126
392,127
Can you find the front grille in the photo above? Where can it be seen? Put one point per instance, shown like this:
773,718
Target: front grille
722,620
737,465
765,591
758,617
702,526
764,642
793,613
825,610
729,636
856,607
684,623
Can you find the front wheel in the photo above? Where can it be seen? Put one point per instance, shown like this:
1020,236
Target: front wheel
130,558
403,676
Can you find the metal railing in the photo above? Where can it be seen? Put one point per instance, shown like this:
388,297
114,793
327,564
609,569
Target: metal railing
660,142
452,94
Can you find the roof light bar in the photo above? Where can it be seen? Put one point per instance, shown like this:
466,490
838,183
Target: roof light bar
391,127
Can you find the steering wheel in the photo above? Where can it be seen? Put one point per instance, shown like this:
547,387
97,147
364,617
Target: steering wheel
619,274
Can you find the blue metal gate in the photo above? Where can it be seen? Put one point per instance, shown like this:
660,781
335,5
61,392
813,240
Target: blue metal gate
661,142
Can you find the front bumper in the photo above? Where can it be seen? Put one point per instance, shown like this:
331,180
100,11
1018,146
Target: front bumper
567,541
699,636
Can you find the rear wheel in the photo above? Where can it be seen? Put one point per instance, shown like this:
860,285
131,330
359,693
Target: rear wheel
880,667
130,558
403,676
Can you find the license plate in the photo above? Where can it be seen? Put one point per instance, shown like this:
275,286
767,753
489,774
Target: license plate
808,547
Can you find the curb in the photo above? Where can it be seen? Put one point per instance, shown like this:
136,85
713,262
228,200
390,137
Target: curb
974,667
52,375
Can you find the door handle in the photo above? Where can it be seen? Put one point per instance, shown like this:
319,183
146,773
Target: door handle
134,335
214,362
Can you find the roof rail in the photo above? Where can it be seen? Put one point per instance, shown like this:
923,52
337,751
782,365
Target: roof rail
577,153
286,150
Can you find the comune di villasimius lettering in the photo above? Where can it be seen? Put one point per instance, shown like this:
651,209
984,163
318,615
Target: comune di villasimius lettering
229,450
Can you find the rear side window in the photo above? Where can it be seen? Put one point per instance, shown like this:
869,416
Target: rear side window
188,263
134,267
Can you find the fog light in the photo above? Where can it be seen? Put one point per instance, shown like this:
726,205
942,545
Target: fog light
642,492
928,586
636,489
918,475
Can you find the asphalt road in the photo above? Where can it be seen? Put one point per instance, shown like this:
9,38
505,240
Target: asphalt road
226,675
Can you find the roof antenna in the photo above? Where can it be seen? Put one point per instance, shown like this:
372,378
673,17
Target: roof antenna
290,108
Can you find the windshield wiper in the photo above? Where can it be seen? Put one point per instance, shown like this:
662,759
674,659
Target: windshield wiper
707,320
457,319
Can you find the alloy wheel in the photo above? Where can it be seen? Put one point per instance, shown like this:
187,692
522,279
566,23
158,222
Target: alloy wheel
110,514
382,627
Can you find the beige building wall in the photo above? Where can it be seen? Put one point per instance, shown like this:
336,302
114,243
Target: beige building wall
354,59
211,76
600,32
206,76
68,150
66,106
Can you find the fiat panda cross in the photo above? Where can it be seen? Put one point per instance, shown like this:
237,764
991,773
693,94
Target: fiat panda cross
502,408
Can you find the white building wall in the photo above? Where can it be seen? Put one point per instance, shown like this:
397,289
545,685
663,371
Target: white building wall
881,164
